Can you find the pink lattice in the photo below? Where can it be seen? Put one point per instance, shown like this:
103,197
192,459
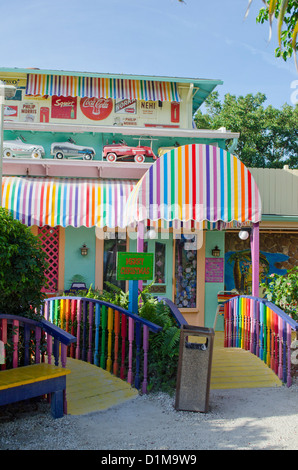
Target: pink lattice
49,237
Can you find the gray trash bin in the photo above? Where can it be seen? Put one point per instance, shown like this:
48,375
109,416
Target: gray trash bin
194,368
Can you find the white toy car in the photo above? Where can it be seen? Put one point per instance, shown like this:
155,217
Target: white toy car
18,148
71,149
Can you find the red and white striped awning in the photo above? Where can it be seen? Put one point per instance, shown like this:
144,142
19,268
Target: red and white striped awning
196,183
95,87
66,201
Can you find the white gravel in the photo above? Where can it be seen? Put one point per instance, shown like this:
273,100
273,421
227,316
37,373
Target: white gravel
242,419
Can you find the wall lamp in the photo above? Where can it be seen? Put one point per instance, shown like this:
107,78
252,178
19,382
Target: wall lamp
244,233
216,251
84,249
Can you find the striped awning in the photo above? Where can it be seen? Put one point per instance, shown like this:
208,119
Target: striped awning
66,201
95,87
196,183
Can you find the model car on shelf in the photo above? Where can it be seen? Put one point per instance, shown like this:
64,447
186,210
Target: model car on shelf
18,148
72,150
114,152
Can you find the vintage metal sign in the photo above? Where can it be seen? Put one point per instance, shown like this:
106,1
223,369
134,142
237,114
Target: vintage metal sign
134,266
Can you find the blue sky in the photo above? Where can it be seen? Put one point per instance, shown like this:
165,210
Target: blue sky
196,39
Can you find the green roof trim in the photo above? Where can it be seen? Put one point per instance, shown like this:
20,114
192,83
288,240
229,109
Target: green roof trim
201,87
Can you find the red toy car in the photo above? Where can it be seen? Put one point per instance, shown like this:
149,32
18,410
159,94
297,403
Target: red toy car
114,152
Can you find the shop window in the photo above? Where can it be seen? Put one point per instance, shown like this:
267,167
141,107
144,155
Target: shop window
186,272
160,263
159,250
111,247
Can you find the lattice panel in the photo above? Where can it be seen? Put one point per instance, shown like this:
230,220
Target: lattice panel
49,237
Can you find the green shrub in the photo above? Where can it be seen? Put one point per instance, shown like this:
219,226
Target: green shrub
22,266
163,346
282,290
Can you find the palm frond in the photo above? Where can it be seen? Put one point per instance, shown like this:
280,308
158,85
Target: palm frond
272,8
282,11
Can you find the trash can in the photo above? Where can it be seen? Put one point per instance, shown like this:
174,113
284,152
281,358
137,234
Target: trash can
194,368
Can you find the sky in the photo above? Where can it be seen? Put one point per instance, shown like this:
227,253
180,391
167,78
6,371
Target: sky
196,39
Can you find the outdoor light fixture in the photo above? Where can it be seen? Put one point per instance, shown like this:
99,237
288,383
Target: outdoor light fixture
151,234
216,251
84,250
244,233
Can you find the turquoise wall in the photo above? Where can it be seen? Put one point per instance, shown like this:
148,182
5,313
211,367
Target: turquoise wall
213,238
75,263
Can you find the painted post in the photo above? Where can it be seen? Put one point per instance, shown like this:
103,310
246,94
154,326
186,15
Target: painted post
254,246
140,244
134,286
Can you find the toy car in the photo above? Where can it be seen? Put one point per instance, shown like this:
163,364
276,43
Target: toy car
71,149
18,148
114,152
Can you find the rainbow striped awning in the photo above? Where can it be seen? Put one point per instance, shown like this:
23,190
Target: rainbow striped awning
95,87
196,183
66,201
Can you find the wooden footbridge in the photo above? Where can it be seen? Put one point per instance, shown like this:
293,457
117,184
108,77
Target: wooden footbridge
252,352
109,360
90,388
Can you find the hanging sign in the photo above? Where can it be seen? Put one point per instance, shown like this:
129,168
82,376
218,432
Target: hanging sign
96,108
134,266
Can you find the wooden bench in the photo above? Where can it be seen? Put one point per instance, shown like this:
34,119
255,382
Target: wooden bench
27,370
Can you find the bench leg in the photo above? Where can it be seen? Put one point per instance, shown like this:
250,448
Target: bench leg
57,404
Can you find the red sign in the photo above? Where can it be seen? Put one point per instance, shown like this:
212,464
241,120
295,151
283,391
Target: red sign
64,107
96,108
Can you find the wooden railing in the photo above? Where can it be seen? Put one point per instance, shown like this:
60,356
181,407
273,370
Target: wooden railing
174,310
107,335
29,341
262,328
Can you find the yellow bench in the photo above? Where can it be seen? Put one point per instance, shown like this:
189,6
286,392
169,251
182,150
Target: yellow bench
39,378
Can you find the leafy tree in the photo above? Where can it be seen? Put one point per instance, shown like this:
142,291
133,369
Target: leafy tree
268,136
22,266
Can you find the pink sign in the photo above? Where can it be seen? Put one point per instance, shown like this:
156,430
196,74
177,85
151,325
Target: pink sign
96,108
214,270
64,107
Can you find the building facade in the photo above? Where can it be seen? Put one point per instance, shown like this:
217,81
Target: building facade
75,146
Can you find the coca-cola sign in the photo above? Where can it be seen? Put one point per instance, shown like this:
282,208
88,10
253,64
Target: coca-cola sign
96,108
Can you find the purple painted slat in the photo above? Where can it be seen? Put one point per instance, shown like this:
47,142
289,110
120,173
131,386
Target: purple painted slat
130,349
37,346
15,341
289,378
145,366
63,355
78,351
90,331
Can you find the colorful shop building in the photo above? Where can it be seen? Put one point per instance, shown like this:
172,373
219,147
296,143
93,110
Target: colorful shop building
83,151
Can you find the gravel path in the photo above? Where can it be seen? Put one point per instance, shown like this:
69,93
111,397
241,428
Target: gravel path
243,419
